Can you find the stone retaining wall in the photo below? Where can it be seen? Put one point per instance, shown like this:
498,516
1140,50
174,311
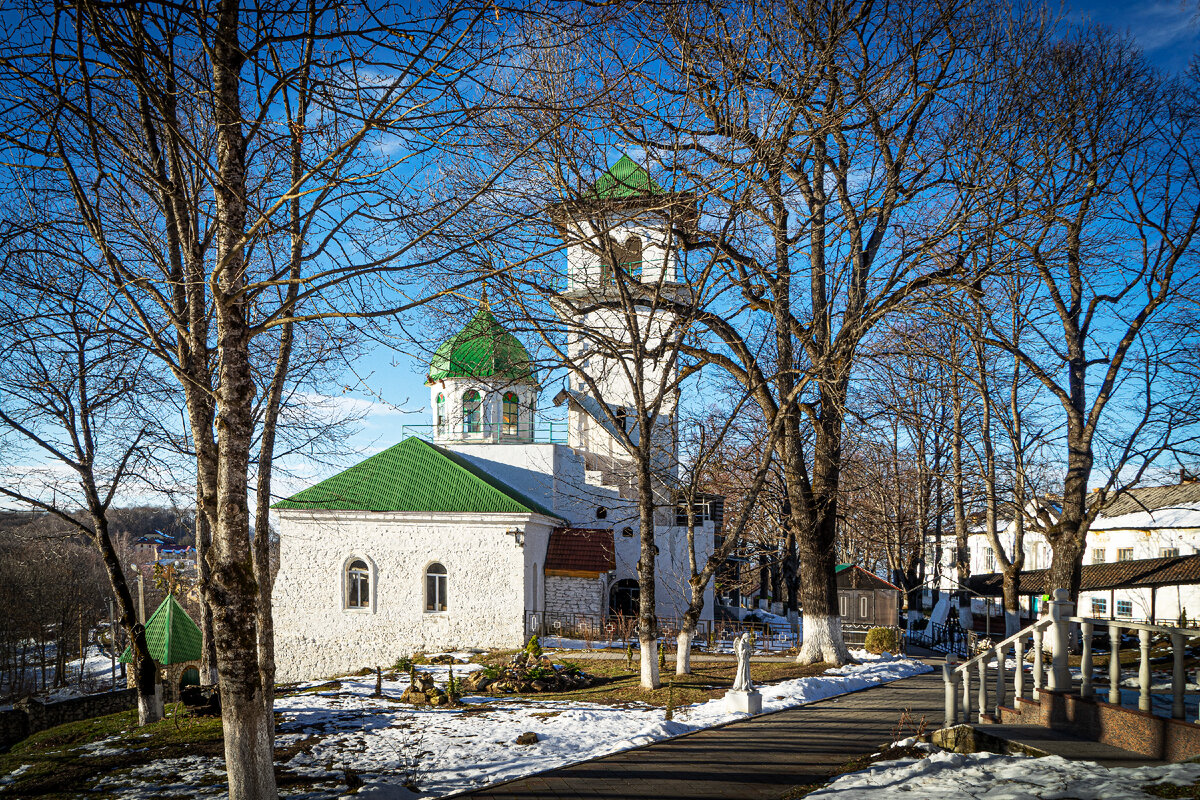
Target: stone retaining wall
30,715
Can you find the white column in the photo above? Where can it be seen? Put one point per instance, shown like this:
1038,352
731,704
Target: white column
1085,663
1019,674
1144,670
1114,665
950,679
1038,672
1060,612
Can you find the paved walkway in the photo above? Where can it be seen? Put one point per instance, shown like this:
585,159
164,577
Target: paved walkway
761,757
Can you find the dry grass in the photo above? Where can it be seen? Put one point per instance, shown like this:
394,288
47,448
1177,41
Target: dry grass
619,685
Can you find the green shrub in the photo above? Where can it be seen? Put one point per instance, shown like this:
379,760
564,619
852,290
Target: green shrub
881,640
534,648
402,664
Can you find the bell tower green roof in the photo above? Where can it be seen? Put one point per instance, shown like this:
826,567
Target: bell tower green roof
625,179
482,349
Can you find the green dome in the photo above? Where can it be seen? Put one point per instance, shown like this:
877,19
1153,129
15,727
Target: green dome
483,349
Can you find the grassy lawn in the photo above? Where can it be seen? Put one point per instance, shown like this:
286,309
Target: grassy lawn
618,684
57,766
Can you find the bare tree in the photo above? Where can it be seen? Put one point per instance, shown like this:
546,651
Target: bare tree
817,138
150,134
1108,208
69,397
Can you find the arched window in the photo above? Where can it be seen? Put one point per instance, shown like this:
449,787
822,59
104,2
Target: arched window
435,588
441,414
472,419
512,414
358,584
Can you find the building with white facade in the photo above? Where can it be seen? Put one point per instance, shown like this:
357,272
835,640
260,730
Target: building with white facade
1152,526
487,529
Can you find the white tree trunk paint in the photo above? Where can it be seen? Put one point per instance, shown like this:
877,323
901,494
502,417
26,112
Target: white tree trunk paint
823,641
246,734
794,622
683,653
150,707
1012,622
649,661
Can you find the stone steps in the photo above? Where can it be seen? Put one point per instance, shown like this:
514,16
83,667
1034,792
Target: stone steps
1034,740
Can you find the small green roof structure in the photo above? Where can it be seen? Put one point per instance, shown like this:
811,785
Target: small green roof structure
482,349
171,635
625,179
415,475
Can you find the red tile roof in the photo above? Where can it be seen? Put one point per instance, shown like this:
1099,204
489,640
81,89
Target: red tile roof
581,550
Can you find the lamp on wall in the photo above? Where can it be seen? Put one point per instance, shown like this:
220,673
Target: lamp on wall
518,536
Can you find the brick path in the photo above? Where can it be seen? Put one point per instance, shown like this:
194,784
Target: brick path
760,757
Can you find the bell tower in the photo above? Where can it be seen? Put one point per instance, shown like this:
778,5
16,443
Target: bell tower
622,265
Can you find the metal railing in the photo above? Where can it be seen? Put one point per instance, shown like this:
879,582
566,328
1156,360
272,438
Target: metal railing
1054,631
620,629
946,638
538,433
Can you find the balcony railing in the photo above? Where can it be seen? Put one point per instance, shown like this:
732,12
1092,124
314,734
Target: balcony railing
539,433
1052,632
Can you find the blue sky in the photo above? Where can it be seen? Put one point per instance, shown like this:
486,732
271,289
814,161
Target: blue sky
1168,31
390,380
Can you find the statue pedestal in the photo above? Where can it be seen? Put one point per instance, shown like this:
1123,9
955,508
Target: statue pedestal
743,702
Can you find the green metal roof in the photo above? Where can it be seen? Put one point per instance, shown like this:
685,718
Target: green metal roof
625,179
482,349
171,636
415,475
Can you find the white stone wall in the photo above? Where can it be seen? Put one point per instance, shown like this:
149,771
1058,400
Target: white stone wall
567,595
488,590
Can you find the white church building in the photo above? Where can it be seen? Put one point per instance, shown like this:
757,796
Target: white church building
484,531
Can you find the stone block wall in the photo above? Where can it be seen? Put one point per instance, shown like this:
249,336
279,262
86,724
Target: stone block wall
570,595
30,715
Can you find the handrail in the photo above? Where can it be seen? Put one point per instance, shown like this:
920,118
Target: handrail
1136,626
1044,622
1052,633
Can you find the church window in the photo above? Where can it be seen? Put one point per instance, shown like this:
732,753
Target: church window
441,413
435,588
358,584
512,414
472,412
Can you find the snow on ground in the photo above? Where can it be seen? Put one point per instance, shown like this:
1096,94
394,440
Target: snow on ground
446,750
953,776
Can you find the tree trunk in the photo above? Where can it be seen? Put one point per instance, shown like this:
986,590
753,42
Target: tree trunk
246,721
647,616
683,649
817,541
